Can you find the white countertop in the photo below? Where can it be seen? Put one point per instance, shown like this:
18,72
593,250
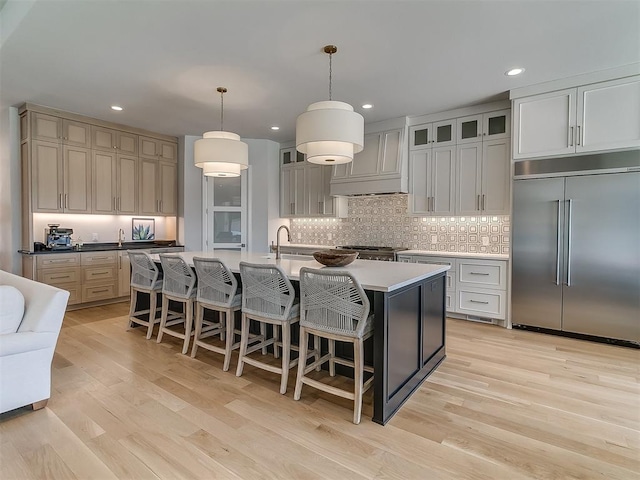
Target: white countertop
372,274
486,256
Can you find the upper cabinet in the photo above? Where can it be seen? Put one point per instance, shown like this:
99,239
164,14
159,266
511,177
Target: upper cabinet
597,117
48,128
108,139
290,155
157,149
466,174
429,135
487,126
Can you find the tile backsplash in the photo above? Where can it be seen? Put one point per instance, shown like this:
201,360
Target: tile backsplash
383,220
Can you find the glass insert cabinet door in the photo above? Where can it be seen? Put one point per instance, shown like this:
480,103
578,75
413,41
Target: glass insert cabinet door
225,212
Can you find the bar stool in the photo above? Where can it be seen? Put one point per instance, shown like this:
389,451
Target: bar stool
178,285
334,306
145,278
218,291
269,298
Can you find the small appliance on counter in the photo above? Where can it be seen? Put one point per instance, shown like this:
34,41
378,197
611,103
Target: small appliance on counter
57,238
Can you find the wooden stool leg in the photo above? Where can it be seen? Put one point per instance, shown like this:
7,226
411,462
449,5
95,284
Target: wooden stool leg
152,313
263,332
132,306
188,321
358,373
163,317
229,325
286,352
316,348
276,340
196,336
244,338
304,341
332,358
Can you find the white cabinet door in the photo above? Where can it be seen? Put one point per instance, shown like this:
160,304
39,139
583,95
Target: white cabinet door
314,189
420,193
609,115
496,125
444,133
496,177
300,194
292,191
421,136
442,180
470,129
544,124
469,176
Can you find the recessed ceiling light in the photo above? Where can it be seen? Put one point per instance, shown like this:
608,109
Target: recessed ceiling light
514,71
367,105
116,108
275,128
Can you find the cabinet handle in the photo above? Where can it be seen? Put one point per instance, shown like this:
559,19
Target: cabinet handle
483,196
160,204
99,258
99,273
477,301
115,205
571,137
433,204
477,202
101,290
60,261
66,200
60,277
292,208
60,201
320,207
579,137
478,273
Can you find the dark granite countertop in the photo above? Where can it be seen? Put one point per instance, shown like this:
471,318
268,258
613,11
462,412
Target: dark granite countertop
102,247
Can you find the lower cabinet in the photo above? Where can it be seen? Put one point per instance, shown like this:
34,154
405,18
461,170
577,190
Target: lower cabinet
476,288
88,276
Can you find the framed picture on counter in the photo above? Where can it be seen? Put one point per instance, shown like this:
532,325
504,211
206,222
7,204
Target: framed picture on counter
143,229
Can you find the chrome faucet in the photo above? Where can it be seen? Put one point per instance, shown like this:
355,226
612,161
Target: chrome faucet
278,239
120,237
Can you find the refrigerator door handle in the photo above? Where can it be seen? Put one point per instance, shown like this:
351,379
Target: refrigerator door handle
569,244
558,236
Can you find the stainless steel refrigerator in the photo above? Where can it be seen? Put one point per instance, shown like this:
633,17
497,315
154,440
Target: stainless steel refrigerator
576,251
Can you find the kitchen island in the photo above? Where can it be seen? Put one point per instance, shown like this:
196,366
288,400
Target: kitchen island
408,301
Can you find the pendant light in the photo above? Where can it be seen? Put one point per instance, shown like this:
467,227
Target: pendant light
330,132
220,153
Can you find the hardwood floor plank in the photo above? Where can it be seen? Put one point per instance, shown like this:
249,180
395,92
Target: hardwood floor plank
504,405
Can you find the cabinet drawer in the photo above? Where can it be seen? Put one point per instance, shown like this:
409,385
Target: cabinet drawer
450,300
74,292
58,260
482,273
483,303
434,260
91,293
59,276
99,258
101,274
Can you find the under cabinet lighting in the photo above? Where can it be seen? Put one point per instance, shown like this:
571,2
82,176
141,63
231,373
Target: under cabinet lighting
116,108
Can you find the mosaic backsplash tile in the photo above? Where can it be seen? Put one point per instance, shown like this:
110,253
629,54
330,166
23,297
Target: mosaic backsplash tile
383,220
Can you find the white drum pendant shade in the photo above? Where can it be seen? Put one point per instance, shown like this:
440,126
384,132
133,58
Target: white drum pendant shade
330,133
221,154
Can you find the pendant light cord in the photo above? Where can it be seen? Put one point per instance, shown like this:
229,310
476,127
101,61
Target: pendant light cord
330,74
221,111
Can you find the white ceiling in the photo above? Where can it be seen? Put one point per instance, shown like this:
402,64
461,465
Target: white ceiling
162,60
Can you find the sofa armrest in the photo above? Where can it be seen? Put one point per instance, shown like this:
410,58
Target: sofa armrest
15,343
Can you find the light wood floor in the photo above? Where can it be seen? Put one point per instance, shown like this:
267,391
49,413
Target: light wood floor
503,405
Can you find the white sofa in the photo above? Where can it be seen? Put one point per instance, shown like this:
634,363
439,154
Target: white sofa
26,355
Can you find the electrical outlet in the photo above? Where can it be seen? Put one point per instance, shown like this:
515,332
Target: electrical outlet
94,237
485,241
329,236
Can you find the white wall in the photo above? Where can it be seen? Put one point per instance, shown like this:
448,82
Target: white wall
189,196
264,196
10,191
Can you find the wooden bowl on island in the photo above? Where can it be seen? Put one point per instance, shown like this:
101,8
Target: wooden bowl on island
335,257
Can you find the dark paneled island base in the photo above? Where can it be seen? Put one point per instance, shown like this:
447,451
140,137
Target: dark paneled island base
409,342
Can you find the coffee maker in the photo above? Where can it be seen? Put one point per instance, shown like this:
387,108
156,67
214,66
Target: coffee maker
57,238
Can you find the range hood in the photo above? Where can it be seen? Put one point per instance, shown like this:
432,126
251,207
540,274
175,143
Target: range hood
381,167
